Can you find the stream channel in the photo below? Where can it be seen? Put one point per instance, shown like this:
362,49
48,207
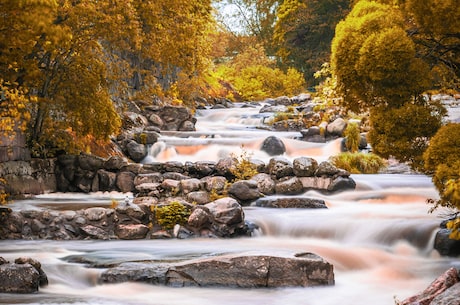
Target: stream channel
379,237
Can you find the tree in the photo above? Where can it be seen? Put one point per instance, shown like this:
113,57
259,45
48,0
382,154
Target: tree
253,18
71,59
304,31
434,27
443,161
374,60
404,132
255,77
378,68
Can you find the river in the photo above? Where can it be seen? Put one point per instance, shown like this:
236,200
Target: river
379,237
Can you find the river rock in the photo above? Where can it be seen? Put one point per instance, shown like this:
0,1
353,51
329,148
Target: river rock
125,181
265,183
244,190
103,181
247,270
289,186
340,184
291,202
445,245
449,297
21,276
190,185
435,289
198,197
136,151
43,278
227,215
132,231
273,146
326,169
280,167
304,166
337,127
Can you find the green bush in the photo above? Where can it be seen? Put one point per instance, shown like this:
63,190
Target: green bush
359,163
352,137
169,215
243,168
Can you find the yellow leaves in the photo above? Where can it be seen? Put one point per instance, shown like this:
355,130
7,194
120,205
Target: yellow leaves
454,226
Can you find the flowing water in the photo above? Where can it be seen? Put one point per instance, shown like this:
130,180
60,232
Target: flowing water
379,237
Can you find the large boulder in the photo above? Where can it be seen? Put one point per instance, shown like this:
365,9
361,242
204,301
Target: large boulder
250,270
291,202
436,290
22,276
445,245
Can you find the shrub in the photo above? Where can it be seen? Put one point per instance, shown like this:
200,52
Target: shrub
352,137
359,163
169,215
243,168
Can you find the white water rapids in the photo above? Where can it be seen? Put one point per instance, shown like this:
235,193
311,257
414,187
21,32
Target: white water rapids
379,237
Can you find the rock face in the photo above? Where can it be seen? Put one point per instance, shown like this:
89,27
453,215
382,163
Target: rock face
242,271
23,276
29,177
444,290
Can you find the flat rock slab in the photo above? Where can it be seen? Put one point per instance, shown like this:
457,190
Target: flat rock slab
248,270
291,202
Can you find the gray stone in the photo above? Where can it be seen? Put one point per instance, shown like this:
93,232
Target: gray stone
449,297
136,151
95,214
200,217
290,186
325,168
291,202
19,278
125,181
253,271
43,278
337,127
198,197
265,183
94,232
437,287
132,231
244,190
446,246
247,270
341,184
304,166
227,215
280,167
273,146
190,185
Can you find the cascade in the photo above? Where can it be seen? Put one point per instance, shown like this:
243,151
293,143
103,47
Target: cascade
378,237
